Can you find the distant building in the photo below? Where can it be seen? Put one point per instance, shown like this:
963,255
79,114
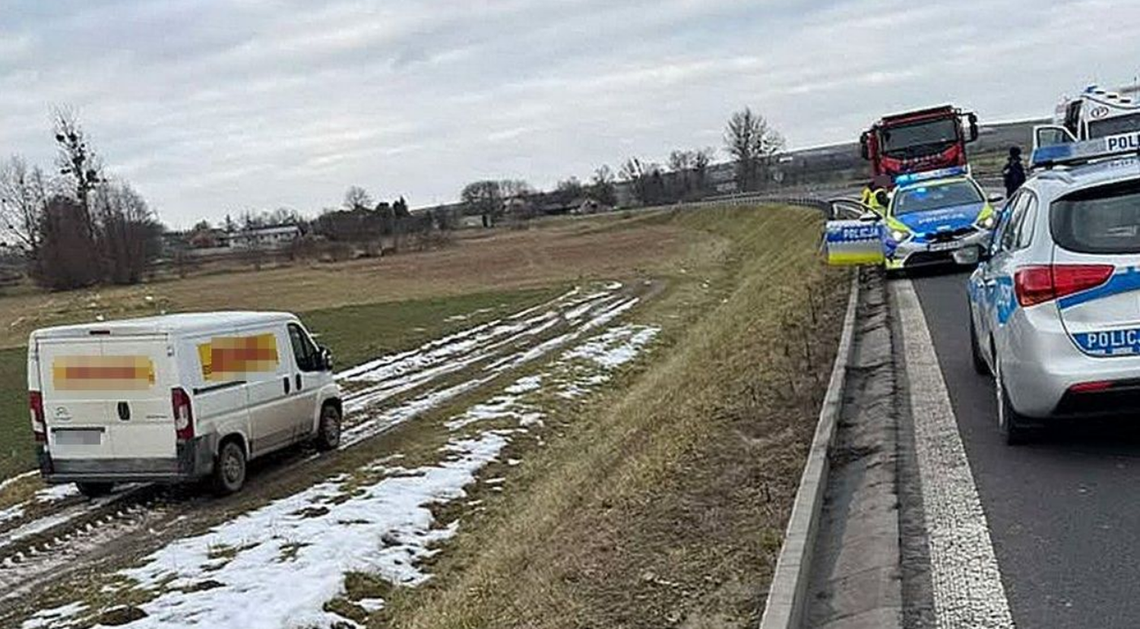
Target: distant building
276,237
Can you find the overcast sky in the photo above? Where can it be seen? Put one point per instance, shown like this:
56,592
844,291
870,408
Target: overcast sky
215,106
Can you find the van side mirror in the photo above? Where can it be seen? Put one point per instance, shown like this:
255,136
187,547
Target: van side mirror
995,198
326,359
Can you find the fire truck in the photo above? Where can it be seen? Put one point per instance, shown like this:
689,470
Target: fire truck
918,141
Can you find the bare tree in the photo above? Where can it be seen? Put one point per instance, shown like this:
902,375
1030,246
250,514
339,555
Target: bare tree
602,186
569,190
749,139
357,198
285,216
76,159
23,196
701,161
128,234
66,247
483,197
644,179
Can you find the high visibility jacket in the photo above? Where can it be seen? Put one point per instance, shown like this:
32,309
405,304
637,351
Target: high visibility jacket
871,199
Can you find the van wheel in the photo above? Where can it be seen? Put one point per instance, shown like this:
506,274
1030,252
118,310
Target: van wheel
328,434
94,490
229,470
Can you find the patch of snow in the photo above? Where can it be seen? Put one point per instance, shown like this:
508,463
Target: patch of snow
371,605
616,347
46,619
12,513
8,482
525,385
55,493
391,530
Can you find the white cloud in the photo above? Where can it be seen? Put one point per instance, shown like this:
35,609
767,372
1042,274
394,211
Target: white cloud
211,106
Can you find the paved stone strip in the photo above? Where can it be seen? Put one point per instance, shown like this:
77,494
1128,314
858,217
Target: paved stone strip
966,581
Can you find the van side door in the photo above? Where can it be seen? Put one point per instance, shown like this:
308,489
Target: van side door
269,385
221,404
308,379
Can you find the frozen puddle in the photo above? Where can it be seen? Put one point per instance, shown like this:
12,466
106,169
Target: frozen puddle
278,566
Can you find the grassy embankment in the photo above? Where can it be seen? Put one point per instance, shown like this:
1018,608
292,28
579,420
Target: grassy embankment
663,502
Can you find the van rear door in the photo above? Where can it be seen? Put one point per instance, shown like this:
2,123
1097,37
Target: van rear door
107,397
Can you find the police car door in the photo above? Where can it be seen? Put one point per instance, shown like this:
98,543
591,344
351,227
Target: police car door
853,236
997,277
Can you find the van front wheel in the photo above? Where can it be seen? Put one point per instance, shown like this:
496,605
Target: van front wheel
94,490
229,470
328,433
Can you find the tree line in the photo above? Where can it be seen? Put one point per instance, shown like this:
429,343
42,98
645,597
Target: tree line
76,226
749,141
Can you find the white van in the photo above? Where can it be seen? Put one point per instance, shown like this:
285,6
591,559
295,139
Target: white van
177,397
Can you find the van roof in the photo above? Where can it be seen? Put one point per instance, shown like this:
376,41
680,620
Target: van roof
182,323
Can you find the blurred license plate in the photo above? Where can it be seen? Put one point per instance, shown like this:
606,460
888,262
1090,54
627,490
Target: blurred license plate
945,246
78,437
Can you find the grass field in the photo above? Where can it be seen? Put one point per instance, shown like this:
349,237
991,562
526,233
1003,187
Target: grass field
353,333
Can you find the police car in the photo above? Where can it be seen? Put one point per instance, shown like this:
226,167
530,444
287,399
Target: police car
936,217
1055,304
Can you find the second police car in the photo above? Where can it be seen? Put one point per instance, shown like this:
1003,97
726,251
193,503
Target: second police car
1055,306
934,217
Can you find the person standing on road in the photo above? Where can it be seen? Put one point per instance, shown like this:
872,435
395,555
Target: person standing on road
1014,172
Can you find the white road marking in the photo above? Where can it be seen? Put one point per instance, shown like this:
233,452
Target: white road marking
967,588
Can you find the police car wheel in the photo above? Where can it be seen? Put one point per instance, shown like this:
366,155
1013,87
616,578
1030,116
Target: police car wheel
1010,422
980,365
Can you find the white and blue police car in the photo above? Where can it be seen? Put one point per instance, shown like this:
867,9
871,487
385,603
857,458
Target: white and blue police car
1055,303
936,217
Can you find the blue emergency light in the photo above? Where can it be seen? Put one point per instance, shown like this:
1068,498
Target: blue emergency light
940,173
1072,153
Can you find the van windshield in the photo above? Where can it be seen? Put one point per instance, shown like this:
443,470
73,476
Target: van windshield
1105,219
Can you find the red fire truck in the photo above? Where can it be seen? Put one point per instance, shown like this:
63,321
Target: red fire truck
919,141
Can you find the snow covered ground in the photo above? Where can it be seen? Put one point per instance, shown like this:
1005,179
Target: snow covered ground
288,558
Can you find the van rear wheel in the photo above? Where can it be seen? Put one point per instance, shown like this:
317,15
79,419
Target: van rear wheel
328,434
229,470
94,490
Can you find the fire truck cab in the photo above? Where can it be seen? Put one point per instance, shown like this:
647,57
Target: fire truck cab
918,141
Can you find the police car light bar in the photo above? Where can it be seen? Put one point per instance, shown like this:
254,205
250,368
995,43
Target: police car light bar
1082,152
941,173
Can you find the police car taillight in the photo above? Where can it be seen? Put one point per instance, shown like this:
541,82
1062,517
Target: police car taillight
36,407
1041,283
183,414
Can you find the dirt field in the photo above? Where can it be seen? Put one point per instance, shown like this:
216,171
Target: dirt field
558,252
623,455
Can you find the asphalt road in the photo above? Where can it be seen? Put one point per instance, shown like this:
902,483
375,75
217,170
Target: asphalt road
1063,512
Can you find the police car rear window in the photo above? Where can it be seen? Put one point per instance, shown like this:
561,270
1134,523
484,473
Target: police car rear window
1105,219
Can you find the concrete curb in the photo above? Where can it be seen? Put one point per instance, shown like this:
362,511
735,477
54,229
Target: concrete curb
785,605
